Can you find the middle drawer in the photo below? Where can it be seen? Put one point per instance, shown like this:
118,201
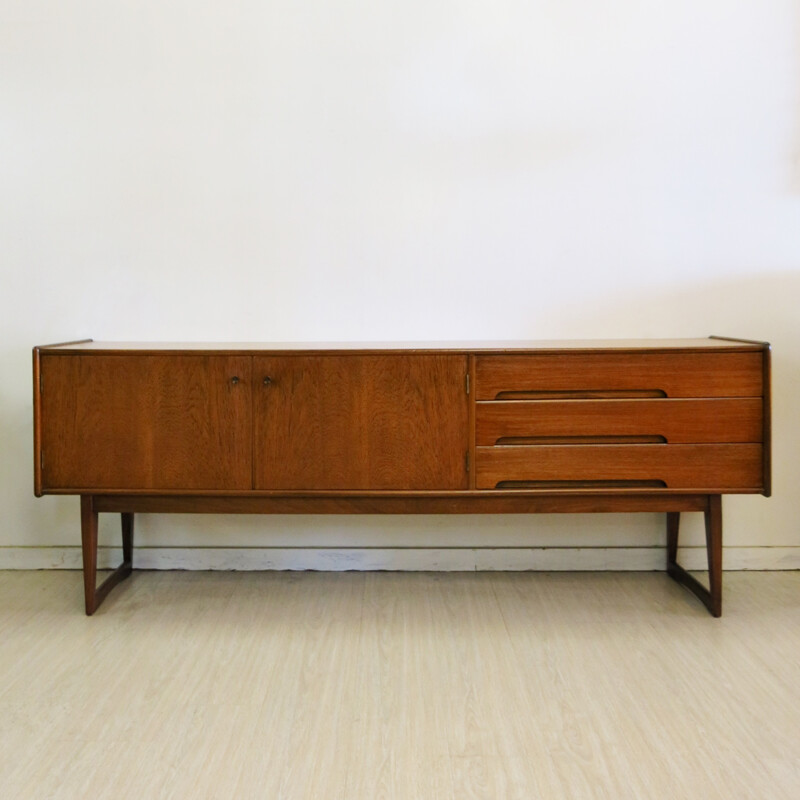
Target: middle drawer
520,422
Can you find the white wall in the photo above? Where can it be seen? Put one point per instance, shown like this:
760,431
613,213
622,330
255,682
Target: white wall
317,170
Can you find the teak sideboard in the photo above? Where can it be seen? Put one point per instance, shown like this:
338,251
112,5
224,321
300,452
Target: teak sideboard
517,427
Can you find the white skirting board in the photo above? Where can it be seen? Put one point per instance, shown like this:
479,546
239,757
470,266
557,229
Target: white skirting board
445,559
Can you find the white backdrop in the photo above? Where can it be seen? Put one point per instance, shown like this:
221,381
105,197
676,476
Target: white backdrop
333,170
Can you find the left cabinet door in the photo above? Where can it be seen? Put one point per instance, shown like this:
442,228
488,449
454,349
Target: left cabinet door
145,422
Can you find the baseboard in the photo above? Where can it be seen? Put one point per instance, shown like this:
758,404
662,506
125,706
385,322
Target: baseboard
445,559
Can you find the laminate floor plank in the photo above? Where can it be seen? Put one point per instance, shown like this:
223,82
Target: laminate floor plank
399,686
491,738
326,626
645,703
401,719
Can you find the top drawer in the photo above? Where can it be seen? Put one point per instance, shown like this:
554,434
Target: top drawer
629,374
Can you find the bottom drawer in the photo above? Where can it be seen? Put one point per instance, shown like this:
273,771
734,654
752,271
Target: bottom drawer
706,467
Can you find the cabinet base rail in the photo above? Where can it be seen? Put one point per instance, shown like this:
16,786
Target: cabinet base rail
410,503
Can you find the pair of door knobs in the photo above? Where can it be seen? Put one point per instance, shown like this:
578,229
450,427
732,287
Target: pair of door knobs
267,380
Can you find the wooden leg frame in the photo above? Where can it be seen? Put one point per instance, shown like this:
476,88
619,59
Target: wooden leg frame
711,597
94,595
711,506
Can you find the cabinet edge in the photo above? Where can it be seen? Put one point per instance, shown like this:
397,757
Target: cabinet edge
37,423
767,417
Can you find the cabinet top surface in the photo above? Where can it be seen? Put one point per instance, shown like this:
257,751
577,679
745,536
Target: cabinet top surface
488,347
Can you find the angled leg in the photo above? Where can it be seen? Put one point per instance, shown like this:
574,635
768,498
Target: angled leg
127,538
93,594
713,517
673,527
711,597
89,549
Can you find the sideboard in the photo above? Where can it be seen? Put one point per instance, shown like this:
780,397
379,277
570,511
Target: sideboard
513,427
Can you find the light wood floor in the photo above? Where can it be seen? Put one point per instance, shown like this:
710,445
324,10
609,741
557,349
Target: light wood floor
399,685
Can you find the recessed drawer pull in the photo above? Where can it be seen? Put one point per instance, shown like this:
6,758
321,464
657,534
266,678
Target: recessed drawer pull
510,441
652,484
579,394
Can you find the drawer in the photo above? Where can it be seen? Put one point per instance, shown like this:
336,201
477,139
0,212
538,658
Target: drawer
619,375
707,467
509,422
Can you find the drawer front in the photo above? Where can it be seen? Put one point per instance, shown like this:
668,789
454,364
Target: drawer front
616,375
699,467
537,422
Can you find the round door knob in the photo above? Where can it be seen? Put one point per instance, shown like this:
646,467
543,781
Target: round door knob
267,380
235,380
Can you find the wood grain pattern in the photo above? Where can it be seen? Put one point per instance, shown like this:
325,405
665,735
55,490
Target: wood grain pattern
361,422
152,422
712,467
677,421
684,374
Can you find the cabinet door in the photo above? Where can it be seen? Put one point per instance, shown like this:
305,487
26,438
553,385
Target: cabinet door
360,422
149,422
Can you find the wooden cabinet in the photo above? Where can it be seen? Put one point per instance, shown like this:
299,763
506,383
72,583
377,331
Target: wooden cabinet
520,428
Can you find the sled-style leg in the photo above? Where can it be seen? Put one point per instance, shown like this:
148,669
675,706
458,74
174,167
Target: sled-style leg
93,594
711,597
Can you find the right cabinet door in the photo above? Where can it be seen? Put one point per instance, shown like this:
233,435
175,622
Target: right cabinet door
360,422
659,420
